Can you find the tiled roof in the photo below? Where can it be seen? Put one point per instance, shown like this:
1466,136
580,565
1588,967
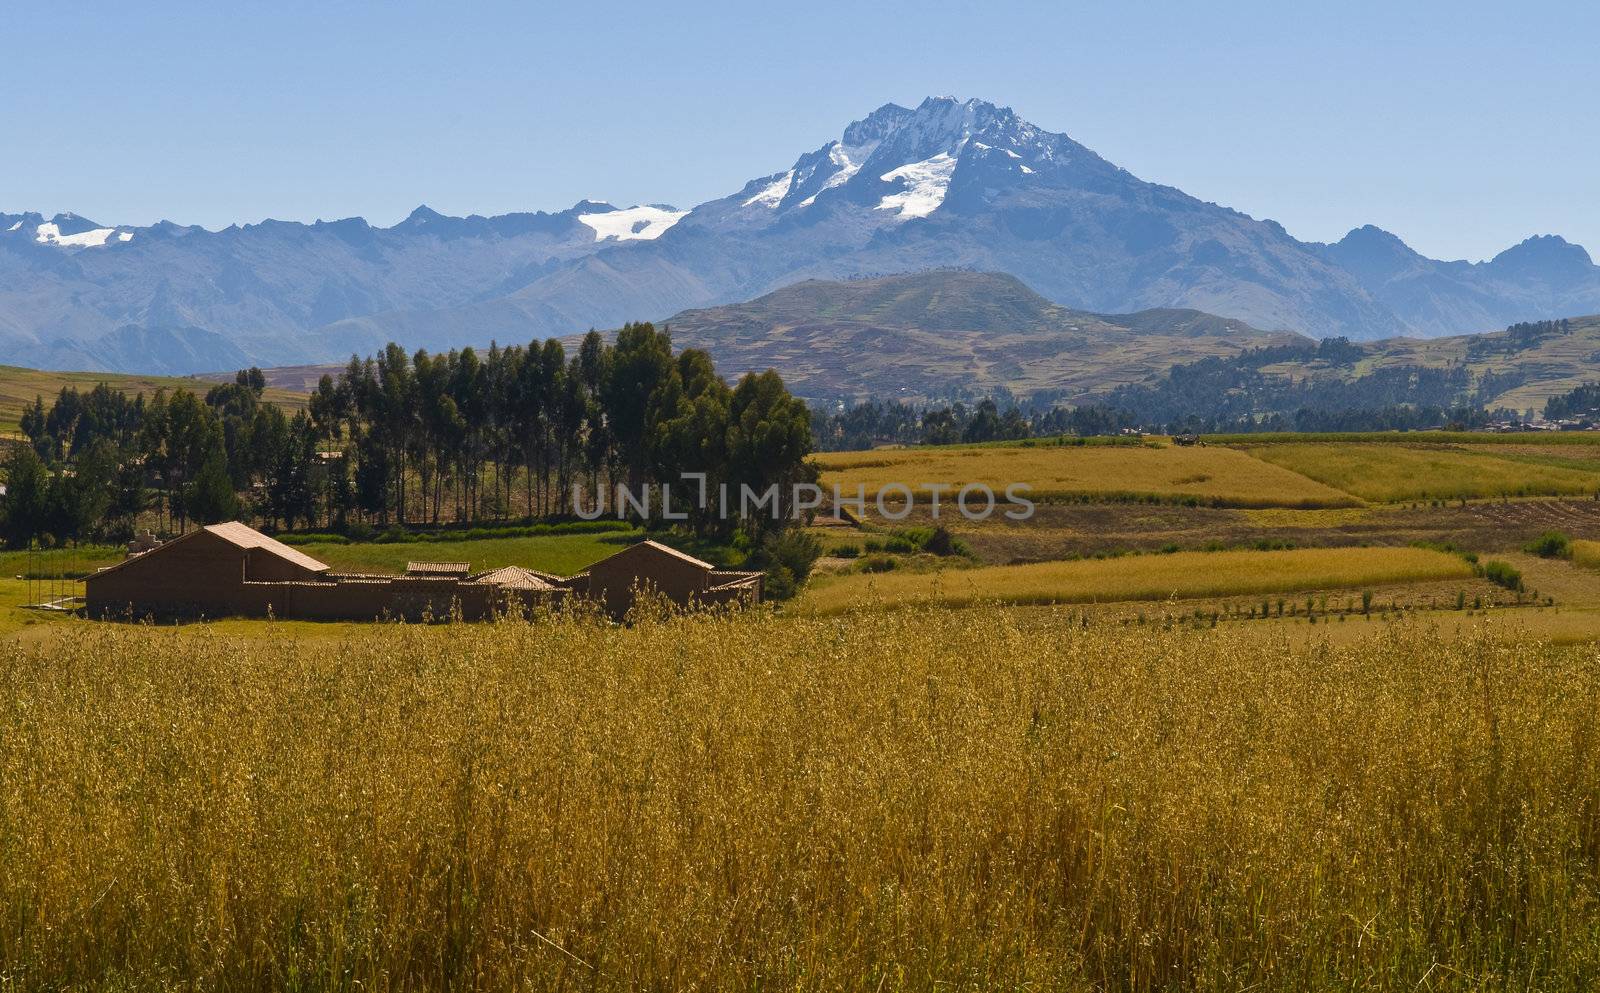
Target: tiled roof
438,568
244,536
515,578
236,534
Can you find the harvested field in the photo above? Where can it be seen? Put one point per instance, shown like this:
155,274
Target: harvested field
1209,475
1138,577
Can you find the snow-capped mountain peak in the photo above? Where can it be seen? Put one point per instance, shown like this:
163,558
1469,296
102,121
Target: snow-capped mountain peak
902,161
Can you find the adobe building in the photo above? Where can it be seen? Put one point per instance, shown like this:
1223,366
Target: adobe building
223,570
651,566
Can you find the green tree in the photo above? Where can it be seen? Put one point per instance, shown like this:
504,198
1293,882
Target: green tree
79,496
693,438
769,437
640,373
210,499
23,512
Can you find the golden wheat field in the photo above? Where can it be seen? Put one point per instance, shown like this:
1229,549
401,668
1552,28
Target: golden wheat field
1394,472
1138,577
910,800
1206,474
1586,553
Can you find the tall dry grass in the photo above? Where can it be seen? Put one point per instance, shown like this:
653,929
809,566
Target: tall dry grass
888,801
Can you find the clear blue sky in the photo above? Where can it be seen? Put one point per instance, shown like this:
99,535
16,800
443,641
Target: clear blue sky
1462,127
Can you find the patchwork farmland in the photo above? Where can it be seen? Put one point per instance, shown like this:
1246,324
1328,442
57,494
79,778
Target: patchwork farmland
1155,682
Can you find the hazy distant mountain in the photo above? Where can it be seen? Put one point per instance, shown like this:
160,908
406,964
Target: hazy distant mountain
948,334
1544,277
73,293
948,184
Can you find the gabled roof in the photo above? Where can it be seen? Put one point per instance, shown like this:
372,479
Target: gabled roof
513,577
244,536
657,547
236,534
438,568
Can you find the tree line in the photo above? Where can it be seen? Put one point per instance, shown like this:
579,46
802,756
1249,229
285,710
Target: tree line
1236,394
409,438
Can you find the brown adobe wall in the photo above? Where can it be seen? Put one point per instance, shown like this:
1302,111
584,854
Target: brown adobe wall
190,576
341,600
614,581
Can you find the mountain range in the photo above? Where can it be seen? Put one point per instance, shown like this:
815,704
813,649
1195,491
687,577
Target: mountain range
948,184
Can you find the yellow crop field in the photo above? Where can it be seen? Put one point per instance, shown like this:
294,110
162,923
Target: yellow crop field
1586,553
1138,577
1394,473
898,801
1208,475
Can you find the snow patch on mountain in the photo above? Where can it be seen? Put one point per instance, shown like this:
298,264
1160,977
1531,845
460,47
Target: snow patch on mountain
14,226
645,223
772,195
49,233
927,182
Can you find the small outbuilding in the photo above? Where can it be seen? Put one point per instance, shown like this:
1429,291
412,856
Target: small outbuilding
651,566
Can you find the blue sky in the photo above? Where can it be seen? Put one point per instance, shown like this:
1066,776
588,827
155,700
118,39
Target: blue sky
1462,127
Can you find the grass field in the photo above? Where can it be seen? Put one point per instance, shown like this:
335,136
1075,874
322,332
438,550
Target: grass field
1211,474
563,554
902,801
1138,577
1396,473
19,386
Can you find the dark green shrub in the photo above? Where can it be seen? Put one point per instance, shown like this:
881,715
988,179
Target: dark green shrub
847,551
1502,574
786,558
939,542
1550,545
877,563
778,584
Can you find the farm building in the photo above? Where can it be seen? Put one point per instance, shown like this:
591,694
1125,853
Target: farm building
682,579
233,570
